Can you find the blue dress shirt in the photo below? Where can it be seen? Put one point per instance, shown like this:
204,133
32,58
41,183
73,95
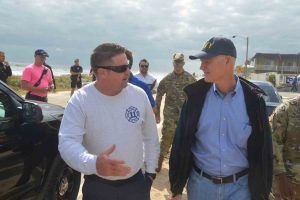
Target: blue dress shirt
223,130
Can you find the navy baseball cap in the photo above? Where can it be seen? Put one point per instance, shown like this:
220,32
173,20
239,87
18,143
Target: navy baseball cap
41,52
214,47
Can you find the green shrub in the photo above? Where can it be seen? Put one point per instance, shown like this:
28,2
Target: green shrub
272,78
63,83
14,83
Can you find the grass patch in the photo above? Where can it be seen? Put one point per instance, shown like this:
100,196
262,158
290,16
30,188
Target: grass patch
63,83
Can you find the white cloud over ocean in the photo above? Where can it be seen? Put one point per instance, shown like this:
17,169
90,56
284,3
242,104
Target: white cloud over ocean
152,29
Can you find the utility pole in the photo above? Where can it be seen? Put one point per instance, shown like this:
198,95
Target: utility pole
247,47
246,62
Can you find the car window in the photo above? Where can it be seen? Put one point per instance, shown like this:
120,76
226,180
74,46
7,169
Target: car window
5,106
272,96
2,111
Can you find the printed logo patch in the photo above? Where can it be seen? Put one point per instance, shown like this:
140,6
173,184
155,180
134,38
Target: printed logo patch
132,114
208,45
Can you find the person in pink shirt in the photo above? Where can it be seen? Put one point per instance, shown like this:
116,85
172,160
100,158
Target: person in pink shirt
36,78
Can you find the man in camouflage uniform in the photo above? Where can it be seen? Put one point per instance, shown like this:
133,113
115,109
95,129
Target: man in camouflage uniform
285,124
172,85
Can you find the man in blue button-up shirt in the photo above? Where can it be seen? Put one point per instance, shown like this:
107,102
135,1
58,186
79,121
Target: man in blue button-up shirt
225,127
222,144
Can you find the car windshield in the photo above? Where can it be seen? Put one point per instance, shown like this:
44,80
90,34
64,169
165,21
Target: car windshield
270,91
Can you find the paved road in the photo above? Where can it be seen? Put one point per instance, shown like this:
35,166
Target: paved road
288,95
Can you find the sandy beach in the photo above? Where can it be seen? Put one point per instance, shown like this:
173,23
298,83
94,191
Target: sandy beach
161,187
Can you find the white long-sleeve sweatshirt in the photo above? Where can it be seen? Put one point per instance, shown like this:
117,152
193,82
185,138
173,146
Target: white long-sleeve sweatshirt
93,122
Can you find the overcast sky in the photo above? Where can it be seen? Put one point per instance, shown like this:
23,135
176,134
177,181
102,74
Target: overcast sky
152,29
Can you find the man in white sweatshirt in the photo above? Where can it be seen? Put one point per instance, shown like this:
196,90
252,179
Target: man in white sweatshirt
108,131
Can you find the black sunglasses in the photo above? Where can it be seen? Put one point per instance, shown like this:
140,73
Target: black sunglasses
117,69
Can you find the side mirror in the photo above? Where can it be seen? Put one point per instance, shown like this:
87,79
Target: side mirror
31,112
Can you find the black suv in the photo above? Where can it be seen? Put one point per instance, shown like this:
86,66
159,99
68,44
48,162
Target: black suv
30,164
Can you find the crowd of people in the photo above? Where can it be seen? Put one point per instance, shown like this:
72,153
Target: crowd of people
222,143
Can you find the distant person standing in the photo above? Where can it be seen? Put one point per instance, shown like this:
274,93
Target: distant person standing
76,71
52,74
92,74
37,78
135,81
145,76
294,84
172,86
5,70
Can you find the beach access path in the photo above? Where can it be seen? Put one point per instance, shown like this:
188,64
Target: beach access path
161,187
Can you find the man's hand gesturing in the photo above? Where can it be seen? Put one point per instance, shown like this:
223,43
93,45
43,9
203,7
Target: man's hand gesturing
111,167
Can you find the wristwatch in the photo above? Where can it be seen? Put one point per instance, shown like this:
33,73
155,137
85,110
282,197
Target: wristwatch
152,175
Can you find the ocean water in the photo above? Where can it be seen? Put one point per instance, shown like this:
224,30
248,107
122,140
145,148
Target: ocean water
17,69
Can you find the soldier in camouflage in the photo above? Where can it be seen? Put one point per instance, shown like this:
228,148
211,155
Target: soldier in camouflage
285,123
172,86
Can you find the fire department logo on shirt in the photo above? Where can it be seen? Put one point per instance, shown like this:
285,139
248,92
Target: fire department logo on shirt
132,114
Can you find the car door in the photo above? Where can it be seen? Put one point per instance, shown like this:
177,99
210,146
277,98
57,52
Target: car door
11,160
20,163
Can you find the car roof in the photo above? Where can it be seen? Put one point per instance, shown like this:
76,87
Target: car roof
259,82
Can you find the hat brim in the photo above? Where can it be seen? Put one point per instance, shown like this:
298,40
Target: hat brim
178,64
42,55
202,55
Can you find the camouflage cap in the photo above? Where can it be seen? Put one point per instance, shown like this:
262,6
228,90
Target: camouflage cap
178,60
178,57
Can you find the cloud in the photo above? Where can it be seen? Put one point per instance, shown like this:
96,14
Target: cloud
151,29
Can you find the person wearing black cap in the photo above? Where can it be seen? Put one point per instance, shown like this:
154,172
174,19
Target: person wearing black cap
36,78
222,144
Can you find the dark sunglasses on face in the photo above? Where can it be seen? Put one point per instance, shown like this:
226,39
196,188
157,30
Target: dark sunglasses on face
144,66
117,69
